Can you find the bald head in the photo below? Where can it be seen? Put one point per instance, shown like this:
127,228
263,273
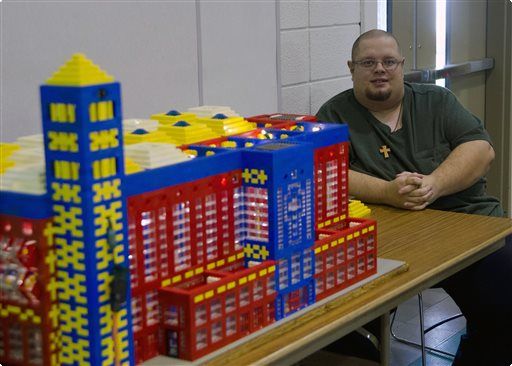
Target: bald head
374,33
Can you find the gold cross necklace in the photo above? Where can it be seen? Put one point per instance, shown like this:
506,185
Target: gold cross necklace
384,150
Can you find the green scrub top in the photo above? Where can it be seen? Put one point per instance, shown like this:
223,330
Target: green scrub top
433,124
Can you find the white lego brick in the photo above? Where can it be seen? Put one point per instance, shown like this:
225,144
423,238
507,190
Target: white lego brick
330,50
28,155
31,141
322,91
293,14
132,124
328,12
294,57
150,155
295,99
24,179
212,110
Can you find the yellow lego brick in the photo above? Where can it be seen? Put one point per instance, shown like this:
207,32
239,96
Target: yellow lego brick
325,247
198,298
252,277
131,167
231,258
221,289
371,228
220,262
365,230
336,219
62,113
65,192
172,117
151,136
166,282
208,294
199,270
271,269
79,71
210,266
334,243
341,240
104,139
176,279
63,141
189,274
320,225
231,285
263,272
242,281
349,237
240,255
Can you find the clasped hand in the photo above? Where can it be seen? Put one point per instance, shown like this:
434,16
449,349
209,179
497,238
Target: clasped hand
413,191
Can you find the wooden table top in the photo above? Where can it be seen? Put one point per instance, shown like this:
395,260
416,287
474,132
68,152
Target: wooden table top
434,244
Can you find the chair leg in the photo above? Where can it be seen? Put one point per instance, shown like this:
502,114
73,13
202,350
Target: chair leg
422,330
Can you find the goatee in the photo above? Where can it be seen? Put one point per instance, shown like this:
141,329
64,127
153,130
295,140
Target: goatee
379,96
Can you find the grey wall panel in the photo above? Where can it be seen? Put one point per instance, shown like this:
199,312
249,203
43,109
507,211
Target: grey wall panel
239,55
149,47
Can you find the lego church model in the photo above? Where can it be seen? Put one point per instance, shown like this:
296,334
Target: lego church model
175,236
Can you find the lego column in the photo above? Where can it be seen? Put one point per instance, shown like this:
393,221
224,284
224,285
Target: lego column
81,111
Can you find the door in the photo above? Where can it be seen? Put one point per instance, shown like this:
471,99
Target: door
436,34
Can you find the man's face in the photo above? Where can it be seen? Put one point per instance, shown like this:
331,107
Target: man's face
379,82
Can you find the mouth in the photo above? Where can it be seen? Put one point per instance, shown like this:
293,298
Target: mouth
379,81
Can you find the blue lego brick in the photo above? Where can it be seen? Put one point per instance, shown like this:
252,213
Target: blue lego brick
30,206
76,222
295,299
278,193
322,134
292,271
202,166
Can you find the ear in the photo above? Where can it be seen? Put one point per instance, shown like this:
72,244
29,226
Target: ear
350,66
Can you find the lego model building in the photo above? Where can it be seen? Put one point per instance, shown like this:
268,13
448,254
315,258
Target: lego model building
176,236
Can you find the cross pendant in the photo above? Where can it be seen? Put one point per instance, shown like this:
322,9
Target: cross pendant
385,151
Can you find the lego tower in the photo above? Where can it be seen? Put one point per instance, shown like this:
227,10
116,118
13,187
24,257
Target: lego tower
81,111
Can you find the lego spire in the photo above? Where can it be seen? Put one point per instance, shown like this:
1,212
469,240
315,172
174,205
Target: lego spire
79,71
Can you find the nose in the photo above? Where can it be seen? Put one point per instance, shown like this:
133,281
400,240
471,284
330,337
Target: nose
379,67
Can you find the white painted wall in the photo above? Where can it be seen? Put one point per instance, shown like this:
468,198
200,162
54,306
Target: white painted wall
316,41
166,54
255,56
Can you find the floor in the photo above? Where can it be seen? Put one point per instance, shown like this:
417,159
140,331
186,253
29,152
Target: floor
437,305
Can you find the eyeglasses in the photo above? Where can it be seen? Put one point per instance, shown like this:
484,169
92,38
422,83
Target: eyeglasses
389,64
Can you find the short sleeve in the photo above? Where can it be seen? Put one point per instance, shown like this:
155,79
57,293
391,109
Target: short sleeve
460,125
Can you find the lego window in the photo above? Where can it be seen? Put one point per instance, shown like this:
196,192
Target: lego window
147,224
230,302
230,325
199,231
331,188
162,239
308,265
181,236
152,308
101,111
62,112
211,227
200,315
239,217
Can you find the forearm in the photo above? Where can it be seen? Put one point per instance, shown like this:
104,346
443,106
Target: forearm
367,188
463,167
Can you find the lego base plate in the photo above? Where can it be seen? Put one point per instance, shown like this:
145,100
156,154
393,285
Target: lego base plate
384,266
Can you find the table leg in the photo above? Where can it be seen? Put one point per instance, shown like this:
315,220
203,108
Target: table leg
384,339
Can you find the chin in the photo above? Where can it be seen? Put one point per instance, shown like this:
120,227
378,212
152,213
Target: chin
378,95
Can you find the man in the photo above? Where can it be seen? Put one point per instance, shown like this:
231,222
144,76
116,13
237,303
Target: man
414,146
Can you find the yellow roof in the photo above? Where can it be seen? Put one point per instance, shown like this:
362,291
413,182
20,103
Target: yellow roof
79,71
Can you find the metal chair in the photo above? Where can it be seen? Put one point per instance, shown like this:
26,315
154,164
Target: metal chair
423,331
